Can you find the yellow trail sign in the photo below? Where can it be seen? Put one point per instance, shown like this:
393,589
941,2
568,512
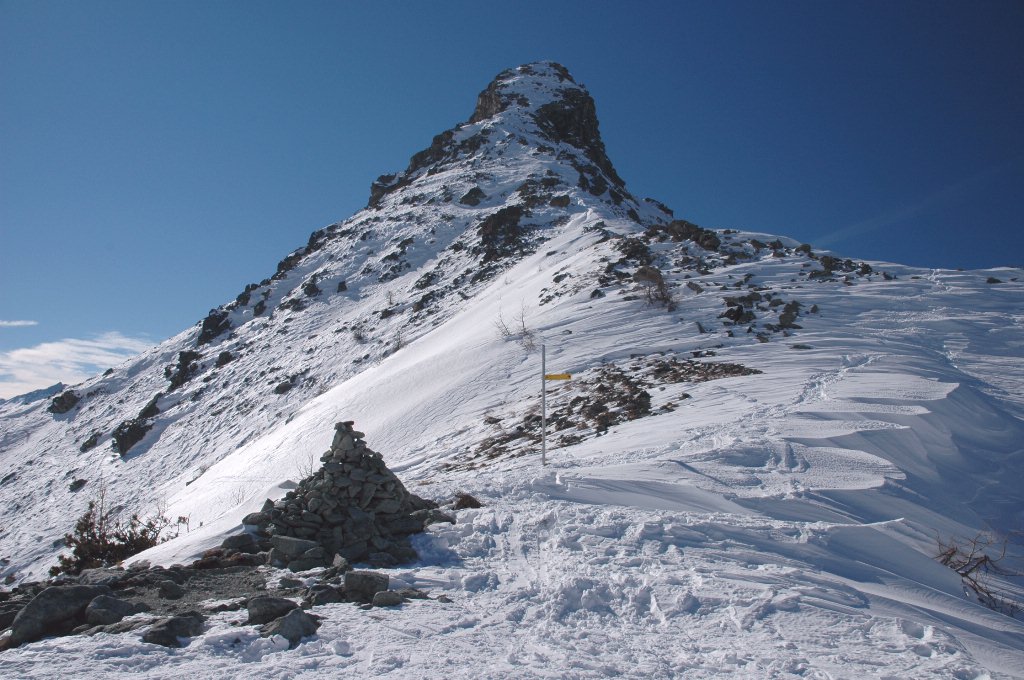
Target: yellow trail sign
557,376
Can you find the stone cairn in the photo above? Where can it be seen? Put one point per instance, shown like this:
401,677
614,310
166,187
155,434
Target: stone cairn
353,509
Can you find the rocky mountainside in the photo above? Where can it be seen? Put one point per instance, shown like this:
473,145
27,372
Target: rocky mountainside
479,198
801,425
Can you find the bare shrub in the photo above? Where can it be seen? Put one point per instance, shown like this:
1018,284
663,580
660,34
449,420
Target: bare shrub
661,294
977,560
526,335
239,495
307,465
500,325
656,289
100,541
517,329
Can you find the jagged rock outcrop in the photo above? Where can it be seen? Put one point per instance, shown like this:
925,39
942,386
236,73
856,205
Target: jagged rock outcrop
353,506
215,323
542,98
64,402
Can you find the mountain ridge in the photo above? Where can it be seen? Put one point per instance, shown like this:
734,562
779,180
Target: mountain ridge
879,389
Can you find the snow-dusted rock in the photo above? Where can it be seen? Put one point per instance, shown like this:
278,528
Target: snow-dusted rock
171,631
362,586
293,626
387,598
265,608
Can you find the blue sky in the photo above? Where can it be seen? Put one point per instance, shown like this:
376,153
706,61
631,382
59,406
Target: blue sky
156,157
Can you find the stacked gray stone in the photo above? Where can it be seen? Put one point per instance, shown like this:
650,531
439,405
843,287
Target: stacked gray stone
353,507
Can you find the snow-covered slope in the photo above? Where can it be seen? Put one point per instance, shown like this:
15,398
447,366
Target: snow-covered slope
694,517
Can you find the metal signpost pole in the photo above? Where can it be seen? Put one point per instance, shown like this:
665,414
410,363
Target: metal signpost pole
543,407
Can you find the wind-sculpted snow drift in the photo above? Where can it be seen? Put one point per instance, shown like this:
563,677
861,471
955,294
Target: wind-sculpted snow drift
778,521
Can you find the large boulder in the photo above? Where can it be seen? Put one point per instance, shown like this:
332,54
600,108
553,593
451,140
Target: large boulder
363,585
104,610
55,610
265,608
292,547
293,626
256,520
473,197
322,593
169,632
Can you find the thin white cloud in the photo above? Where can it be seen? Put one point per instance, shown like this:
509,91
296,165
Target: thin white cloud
68,361
949,194
17,324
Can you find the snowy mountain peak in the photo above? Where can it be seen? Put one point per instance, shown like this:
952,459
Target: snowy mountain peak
541,109
544,94
529,87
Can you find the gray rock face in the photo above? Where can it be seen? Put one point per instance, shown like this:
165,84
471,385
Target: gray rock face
293,626
166,632
363,585
264,609
353,506
104,610
57,609
64,402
